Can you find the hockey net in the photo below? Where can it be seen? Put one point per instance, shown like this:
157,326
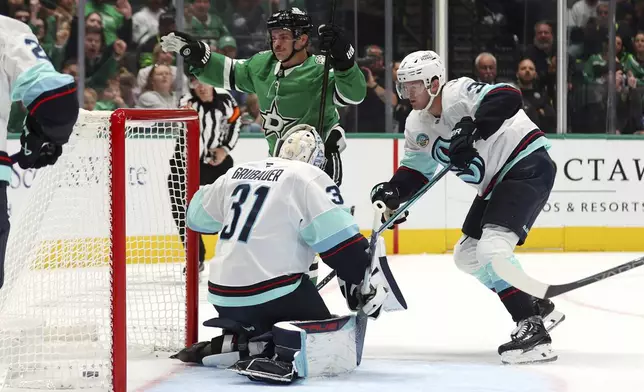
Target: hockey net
94,266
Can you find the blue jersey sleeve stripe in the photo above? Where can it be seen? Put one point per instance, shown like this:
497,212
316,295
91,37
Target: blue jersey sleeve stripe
37,80
335,239
421,162
329,229
198,219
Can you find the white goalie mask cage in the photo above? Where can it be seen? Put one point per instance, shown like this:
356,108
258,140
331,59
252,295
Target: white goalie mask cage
302,143
423,65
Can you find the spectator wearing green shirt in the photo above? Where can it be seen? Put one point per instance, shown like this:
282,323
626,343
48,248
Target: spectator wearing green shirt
205,25
101,60
596,67
227,46
117,20
634,63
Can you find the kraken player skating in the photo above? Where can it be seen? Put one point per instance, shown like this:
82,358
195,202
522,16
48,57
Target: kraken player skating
272,217
484,133
287,79
27,76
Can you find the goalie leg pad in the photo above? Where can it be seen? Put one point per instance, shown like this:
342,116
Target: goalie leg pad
305,349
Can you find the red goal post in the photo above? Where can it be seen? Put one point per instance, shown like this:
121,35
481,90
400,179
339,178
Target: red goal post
119,121
95,257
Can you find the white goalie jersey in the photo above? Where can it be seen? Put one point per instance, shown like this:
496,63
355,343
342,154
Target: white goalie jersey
427,137
272,217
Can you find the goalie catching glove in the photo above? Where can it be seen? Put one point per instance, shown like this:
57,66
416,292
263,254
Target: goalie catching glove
383,292
390,196
372,301
195,53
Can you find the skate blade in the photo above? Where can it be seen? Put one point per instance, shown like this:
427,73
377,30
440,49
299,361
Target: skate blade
553,319
541,353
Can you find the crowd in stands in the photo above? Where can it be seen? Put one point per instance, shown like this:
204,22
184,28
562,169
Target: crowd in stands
125,66
588,66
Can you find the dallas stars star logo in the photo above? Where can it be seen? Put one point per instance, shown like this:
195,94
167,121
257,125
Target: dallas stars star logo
273,122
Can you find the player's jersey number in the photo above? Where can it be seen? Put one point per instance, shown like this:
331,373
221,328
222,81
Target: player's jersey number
336,197
241,194
36,49
477,87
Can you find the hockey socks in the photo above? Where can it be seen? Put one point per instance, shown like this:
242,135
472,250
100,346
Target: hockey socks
519,304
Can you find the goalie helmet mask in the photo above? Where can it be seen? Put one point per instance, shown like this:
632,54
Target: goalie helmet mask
294,20
302,143
423,65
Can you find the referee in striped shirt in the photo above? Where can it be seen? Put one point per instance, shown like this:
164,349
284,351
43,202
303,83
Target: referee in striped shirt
220,121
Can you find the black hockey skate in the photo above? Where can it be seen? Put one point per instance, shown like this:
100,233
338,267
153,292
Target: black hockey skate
546,309
530,343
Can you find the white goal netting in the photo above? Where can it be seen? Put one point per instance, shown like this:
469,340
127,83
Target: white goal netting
55,306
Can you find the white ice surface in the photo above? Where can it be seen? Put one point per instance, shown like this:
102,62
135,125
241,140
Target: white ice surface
447,339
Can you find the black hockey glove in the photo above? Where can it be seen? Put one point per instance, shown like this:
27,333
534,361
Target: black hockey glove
36,150
334,41
333,144
389,195
195,53
461,146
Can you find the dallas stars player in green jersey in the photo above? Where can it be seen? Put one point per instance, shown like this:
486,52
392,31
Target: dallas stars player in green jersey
287,79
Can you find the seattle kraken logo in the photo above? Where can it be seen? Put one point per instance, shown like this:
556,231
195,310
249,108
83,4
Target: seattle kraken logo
472,175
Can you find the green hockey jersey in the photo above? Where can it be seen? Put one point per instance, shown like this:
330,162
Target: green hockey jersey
286,97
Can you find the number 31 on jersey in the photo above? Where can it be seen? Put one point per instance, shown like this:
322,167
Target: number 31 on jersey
240,194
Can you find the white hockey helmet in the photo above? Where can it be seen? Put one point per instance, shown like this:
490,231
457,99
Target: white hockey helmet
424,65
302,143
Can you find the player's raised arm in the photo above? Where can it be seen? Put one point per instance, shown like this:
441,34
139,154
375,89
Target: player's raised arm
209,67
349,85
50,97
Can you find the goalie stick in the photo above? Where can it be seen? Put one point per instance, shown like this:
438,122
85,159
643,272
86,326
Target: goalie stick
376,233
361,318
528,284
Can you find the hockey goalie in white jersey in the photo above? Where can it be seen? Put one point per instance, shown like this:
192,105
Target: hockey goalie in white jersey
484,133
272,217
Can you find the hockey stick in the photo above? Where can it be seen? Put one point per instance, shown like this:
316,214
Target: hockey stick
393,218
361,318
528,284
325,81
